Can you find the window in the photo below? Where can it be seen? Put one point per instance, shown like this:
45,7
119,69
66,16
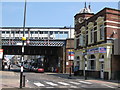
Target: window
3,32
92,36
56,32
36,32
65,32
26,32
51,32
91,62
82,40
32,32
61,32
45,32
7,32
12,32
101,32
41,32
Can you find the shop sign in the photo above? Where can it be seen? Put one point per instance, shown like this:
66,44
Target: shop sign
102,50
96,50
91,51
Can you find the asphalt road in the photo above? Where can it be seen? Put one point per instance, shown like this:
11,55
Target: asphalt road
54,80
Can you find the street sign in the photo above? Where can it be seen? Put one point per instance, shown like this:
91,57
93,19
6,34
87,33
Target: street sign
1,53
70,54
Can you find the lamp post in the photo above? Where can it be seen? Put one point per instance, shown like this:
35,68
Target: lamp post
23,40
85,55
70,60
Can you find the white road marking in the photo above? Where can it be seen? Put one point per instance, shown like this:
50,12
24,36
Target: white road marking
108,86
63,83
73,86
85,82
49,87
39,84
74,83
51,83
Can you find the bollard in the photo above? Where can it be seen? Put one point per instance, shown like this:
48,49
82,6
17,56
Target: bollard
23,80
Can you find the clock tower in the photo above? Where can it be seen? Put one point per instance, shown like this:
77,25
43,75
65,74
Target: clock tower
84,13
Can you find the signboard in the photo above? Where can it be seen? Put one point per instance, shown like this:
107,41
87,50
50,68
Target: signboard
1,53
102,50
70,54
96,50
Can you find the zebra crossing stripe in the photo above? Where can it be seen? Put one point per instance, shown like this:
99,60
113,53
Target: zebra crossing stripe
63,83
85,82
108,86
73,86
39,84
74,83
52,84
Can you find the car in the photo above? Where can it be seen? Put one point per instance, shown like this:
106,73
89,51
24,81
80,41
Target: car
40,70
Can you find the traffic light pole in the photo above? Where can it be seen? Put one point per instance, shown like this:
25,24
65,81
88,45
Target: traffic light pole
23,40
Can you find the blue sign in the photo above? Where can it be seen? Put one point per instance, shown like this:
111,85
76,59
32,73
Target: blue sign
96,50
102,50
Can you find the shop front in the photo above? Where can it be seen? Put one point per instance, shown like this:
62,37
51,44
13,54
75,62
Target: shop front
98,62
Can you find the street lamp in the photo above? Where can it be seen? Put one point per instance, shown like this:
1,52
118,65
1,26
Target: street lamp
23,40
85,54
70,58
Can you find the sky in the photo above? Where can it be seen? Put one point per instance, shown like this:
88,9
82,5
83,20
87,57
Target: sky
46,14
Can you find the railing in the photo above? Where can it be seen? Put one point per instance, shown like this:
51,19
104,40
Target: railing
33,42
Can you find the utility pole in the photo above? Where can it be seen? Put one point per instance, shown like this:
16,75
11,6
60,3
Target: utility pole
23,40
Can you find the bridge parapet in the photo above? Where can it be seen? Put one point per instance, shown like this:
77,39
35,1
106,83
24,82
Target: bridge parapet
33,42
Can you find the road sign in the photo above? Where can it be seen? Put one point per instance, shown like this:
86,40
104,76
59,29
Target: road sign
1,53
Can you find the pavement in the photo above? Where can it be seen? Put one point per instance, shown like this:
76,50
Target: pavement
9,79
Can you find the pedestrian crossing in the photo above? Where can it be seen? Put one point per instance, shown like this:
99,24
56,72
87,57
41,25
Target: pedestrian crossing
71,84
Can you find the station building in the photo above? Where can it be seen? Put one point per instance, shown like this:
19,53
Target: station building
97,42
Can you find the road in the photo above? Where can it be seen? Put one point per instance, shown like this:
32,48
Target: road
55,80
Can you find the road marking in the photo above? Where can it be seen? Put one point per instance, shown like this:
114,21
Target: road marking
49,87
63,83
108,86
52,84
74,83
39,84
85,82
73,86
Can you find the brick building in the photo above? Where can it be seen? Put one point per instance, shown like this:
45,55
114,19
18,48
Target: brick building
96,43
